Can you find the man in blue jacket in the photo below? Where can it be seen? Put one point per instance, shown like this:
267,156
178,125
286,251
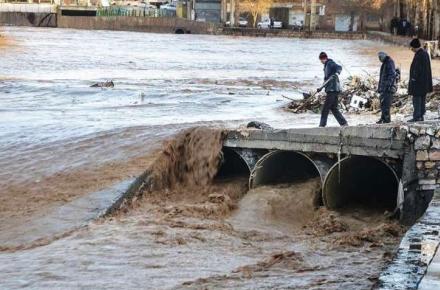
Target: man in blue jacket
420,80
333,89
387,86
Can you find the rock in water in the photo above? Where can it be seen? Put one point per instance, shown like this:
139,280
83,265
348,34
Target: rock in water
108,84
259,125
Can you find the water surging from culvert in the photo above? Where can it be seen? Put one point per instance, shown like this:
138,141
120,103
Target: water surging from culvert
188,229
275,223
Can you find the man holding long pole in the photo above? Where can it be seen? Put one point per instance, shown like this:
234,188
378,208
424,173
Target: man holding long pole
332,88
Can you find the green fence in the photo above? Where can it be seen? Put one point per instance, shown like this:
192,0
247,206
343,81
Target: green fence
138,12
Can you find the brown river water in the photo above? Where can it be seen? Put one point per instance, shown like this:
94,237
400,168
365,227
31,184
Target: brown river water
191,230
60,139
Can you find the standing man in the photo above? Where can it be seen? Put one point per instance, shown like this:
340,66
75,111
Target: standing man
420,80
387,86
332,89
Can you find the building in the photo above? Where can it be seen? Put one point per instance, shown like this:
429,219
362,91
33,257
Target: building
207,10
302,13
330,15
347,16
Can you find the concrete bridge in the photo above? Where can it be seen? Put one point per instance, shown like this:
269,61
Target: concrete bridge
388,168
391,168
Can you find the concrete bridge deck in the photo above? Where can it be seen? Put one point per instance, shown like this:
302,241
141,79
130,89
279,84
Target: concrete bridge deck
378,141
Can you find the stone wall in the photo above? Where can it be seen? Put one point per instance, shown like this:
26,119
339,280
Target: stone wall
427,147
421,169
28,19
141,24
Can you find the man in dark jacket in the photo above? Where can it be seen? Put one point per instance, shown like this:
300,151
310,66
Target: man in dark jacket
387,86
332,89
420,80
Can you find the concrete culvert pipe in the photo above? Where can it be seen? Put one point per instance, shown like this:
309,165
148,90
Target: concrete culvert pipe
232,165
361,182
283,167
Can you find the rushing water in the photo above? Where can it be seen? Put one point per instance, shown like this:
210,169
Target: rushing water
51,120
160,80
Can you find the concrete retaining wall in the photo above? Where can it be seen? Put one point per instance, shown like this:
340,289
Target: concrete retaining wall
173,25
291,33
415,253
142,24
389,38
28,19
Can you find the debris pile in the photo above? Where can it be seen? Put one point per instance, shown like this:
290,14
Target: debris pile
360,94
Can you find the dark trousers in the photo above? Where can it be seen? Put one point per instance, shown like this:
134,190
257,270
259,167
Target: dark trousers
331,104
385,106
419,103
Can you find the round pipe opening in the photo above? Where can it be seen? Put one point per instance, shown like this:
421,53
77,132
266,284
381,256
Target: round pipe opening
361,182
232,165
279,167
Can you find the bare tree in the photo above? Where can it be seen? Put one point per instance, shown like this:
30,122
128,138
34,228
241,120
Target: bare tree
368,5
425,14
255,8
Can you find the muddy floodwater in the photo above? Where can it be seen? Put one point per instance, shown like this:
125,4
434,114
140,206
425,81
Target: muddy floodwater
61,139
189,243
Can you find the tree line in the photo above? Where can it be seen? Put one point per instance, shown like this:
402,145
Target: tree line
423,14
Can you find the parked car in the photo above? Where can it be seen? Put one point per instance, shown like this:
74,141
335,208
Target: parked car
242,22
148,6
169,6
298,25
265,24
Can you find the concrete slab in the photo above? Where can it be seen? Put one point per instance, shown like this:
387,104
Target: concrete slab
378,141
66,218
416,253
431,280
